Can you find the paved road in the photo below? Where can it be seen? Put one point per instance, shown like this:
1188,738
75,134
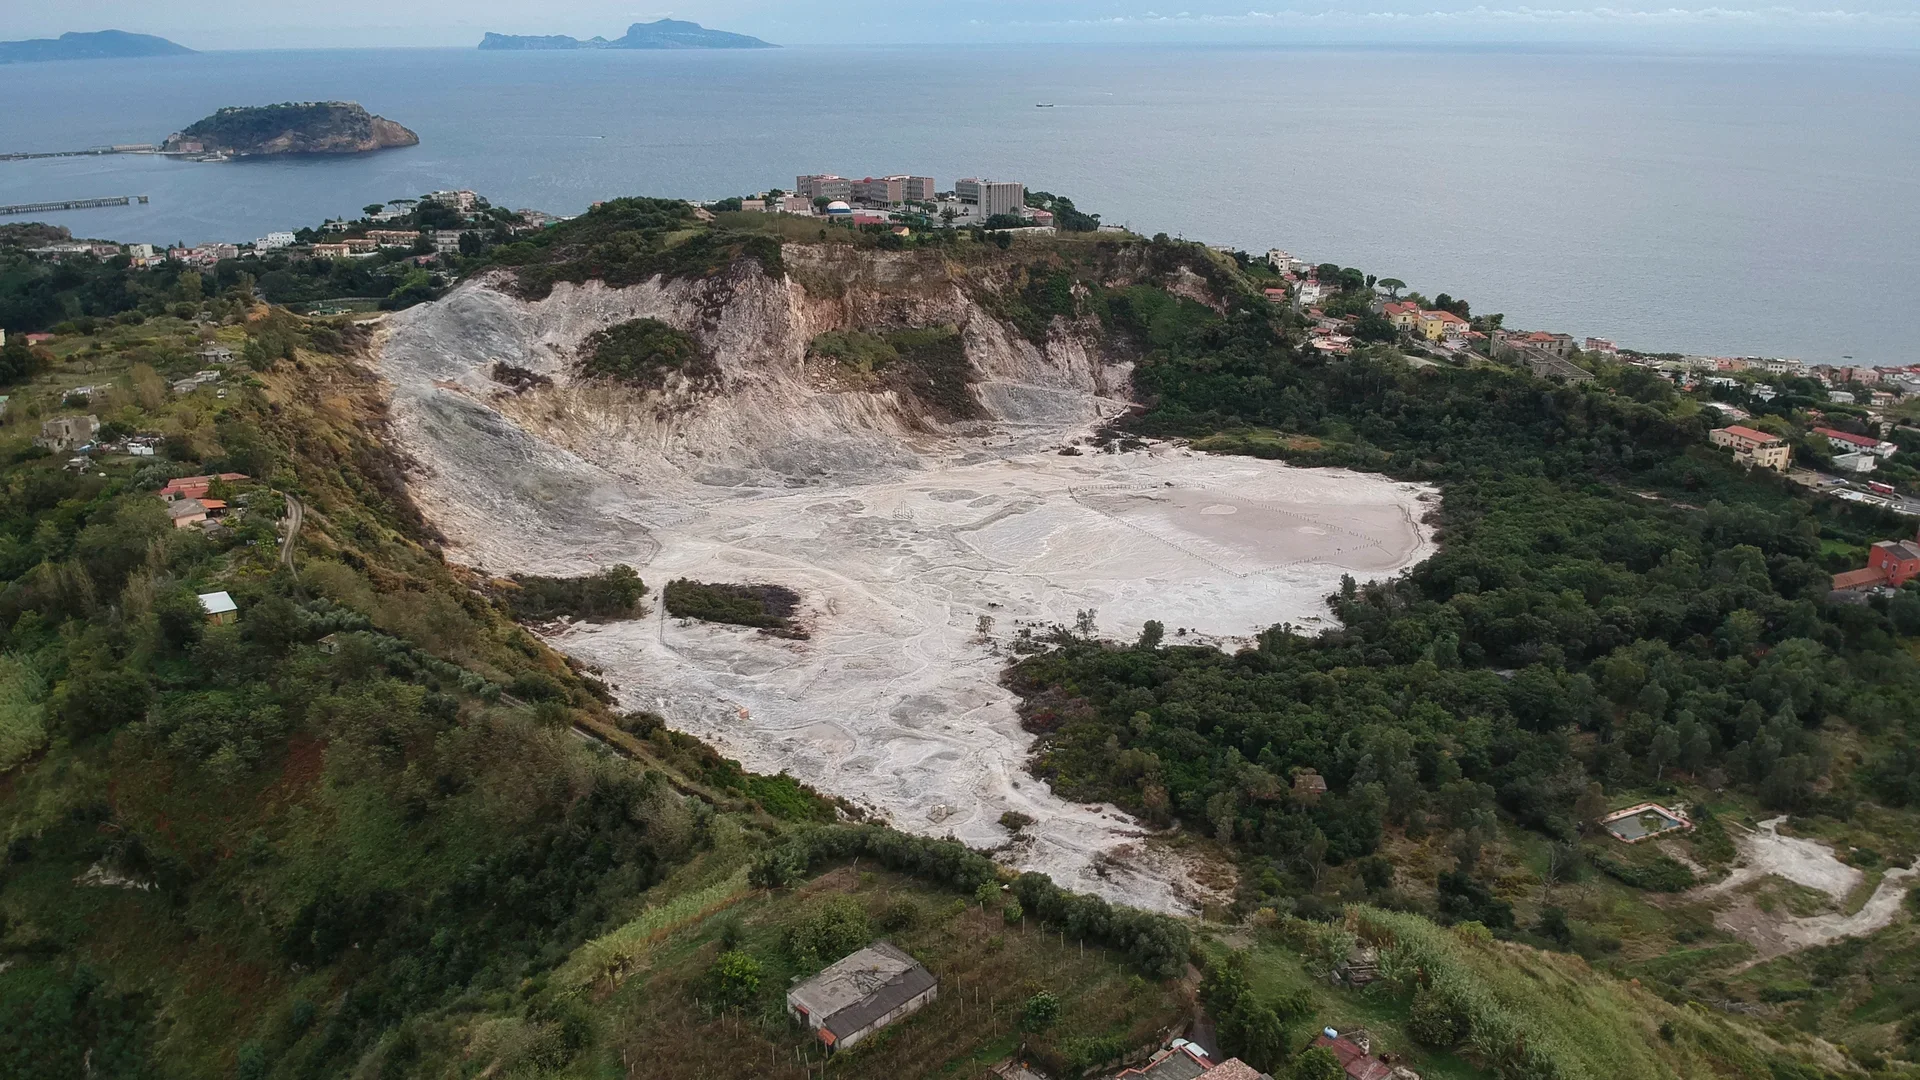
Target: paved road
296,513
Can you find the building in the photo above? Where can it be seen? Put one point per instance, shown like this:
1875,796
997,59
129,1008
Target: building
1182,1060
1752,447
1840,397
447,241
195,487
1354,1051
1310,291
1551,366
186,513
839,209
1602,346
991,197
823,186
404,238
1275,296
1284,263
274,241
1847,442
1890,564
893,190
861,994
1860,462
463,201
1556,344
1435,325
220,607
67,432
794,204
215,353
1401,313
331,251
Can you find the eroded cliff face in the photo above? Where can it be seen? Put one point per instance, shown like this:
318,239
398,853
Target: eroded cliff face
505,463
922,548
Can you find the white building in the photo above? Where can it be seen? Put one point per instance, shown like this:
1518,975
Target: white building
1861,461
274,241
991,197
1841,396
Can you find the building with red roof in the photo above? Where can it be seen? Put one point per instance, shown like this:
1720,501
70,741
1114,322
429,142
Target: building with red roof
1848,442
1355,1059
1753,447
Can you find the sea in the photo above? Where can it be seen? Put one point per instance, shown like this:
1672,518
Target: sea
1702,202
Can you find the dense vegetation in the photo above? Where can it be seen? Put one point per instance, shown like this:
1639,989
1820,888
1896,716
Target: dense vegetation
643,352
613,593
927,364
627,241
769,607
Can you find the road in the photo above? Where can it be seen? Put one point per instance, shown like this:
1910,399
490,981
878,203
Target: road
296,513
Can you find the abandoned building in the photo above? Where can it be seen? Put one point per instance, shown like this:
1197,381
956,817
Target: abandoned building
861,994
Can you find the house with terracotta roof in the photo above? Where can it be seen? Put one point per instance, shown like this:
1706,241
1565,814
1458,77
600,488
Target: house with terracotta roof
1890,564
1435,325
195,487
1753,447
1355,1053
1401,313
1848,443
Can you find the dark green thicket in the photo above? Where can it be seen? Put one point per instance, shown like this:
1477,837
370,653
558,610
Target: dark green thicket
642,352
769,607
1611,600
928,364
613,593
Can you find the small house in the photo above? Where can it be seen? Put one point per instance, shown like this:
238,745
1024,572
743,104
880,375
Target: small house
186,513
220,607
67,432
861,994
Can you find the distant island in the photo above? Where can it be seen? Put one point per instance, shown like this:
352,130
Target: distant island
309,127
660,34
101,45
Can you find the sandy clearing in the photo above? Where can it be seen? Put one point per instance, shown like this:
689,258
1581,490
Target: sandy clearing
895,701
1765,852
899,537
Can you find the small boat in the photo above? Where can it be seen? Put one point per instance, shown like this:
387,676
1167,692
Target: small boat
1044,105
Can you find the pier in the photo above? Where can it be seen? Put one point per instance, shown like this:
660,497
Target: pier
71,204
93,151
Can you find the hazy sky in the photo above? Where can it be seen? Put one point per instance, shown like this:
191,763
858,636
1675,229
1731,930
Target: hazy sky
218,24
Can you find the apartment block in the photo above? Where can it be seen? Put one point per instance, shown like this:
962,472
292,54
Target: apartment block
991,196
824,186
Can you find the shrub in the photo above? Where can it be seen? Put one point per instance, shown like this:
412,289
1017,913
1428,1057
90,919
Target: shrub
734,979
1317,1063
769,607
1012,913
1040,1012
1434,1020
643,352
1663,874
903,914
826,930
613,593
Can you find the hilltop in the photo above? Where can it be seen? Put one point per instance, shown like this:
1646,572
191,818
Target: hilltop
99,45
659,34
311,127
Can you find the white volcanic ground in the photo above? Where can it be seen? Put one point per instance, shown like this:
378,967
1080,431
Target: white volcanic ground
894,701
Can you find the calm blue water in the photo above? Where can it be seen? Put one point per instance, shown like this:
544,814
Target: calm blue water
1718,203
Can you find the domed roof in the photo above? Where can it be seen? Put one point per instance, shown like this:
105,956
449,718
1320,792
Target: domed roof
837,207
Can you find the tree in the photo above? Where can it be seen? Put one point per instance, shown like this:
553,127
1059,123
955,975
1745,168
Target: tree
1317,1063
948,215
373,208
1393,286
1151,635
821,202
1040,1012
1003,240
735,979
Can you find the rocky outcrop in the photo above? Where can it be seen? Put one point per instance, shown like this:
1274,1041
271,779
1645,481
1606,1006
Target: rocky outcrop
323,127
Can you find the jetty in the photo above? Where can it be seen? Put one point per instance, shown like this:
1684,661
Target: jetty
92,151
71,204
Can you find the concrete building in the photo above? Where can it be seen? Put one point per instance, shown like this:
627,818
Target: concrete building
1849,443
893,190
823,186
1752,447
390,238
991,196
67,432
274,241
219,607
861,994
1860,462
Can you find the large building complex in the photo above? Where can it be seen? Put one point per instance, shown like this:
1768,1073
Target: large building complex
991,197
824,186
894,190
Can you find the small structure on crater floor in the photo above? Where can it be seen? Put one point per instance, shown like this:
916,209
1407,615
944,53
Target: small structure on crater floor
1636,823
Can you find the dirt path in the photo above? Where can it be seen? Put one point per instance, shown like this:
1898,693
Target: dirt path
1809,863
